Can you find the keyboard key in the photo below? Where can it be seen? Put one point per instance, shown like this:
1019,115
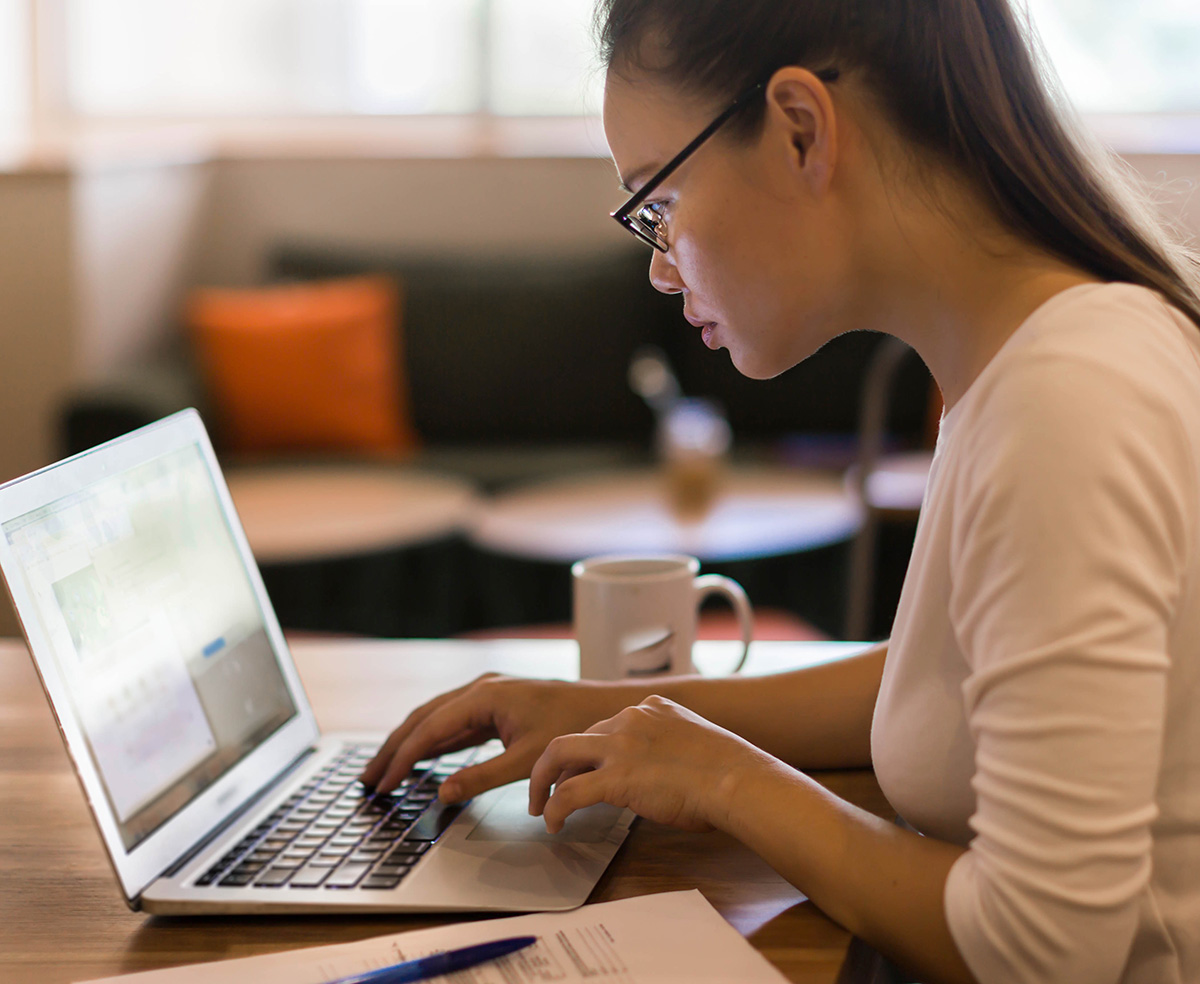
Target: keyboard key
310,876
375,846
347,876
235,880
409,847
401,862
274,877
434,822
382,881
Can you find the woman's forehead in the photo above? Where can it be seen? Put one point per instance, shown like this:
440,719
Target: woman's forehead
647,123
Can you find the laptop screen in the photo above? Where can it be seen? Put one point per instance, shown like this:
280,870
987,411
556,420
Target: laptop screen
156,632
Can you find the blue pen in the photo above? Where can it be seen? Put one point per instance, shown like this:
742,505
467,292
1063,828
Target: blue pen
437,964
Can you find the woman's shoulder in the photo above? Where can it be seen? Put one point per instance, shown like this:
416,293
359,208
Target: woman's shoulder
1101,385
1097,343
1109,322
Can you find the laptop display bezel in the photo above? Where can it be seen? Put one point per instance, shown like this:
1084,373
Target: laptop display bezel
138,867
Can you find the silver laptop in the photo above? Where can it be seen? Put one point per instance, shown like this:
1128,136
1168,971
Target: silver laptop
183,714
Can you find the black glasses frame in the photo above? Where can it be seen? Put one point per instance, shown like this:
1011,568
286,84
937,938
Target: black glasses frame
647,229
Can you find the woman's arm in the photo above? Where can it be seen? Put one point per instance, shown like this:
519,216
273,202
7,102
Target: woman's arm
883,883
819,717
815,718
660,759
667,763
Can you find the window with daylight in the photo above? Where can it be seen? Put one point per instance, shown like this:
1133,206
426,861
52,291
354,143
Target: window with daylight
14,65
1114,56
142,59
321,57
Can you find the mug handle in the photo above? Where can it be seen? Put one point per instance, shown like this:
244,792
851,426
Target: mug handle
709,584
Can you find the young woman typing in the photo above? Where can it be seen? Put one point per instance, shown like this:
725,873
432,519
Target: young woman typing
897,166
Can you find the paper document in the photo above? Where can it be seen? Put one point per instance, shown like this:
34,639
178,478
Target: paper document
671,937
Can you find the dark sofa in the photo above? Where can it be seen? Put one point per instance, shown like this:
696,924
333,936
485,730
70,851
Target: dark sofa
517,368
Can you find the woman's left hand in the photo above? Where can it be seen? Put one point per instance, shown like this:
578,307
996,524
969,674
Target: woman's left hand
658,759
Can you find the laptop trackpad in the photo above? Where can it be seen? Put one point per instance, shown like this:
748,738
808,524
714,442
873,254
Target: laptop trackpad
509,820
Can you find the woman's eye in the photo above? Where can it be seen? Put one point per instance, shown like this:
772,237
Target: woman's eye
653,212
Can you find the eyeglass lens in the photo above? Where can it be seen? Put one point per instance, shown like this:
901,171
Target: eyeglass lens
650,226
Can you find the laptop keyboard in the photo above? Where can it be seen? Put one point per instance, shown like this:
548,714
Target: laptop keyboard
335,834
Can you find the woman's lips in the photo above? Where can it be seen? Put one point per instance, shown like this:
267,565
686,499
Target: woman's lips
707,328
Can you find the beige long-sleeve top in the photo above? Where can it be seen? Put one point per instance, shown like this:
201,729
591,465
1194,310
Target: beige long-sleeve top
1041,698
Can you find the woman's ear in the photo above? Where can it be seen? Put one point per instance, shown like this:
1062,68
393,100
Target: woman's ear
801,110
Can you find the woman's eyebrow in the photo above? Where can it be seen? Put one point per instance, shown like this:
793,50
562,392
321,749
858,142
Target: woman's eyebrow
636,175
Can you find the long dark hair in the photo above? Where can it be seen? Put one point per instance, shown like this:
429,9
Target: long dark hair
957,78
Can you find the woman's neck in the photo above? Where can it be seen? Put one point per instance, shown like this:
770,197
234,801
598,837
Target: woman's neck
947,278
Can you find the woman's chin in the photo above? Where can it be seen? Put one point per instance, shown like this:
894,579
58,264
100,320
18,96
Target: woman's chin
754,366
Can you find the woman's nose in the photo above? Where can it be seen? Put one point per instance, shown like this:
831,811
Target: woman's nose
663,274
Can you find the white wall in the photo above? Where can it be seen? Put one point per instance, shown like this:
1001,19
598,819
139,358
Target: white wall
37,315
446,207
135,234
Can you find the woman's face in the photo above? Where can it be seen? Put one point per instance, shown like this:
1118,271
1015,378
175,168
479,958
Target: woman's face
754,248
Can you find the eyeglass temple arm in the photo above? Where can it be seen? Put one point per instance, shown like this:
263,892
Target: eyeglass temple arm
825,75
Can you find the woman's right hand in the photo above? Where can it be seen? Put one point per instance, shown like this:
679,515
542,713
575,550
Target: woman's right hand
526,715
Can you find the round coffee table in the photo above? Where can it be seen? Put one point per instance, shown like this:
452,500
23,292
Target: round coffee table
358,548
780,532
312,512
758,512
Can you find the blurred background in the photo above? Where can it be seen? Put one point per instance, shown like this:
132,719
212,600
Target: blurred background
199,197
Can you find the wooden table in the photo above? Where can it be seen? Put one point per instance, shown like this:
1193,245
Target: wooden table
62,917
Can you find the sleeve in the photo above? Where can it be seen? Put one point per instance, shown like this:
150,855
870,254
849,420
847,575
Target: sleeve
1068,553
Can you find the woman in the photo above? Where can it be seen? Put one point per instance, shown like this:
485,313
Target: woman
896,165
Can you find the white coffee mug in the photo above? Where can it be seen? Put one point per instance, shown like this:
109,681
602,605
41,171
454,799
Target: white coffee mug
636,615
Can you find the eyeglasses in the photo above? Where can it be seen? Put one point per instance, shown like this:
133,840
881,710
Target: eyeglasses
643,220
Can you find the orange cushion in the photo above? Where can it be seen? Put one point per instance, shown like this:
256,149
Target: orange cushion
305,367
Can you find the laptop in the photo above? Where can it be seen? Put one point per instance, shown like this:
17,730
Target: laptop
184,716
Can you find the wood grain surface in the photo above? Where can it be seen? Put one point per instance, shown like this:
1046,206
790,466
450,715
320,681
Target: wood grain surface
62,917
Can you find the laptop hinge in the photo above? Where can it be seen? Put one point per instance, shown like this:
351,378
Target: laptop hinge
236,815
